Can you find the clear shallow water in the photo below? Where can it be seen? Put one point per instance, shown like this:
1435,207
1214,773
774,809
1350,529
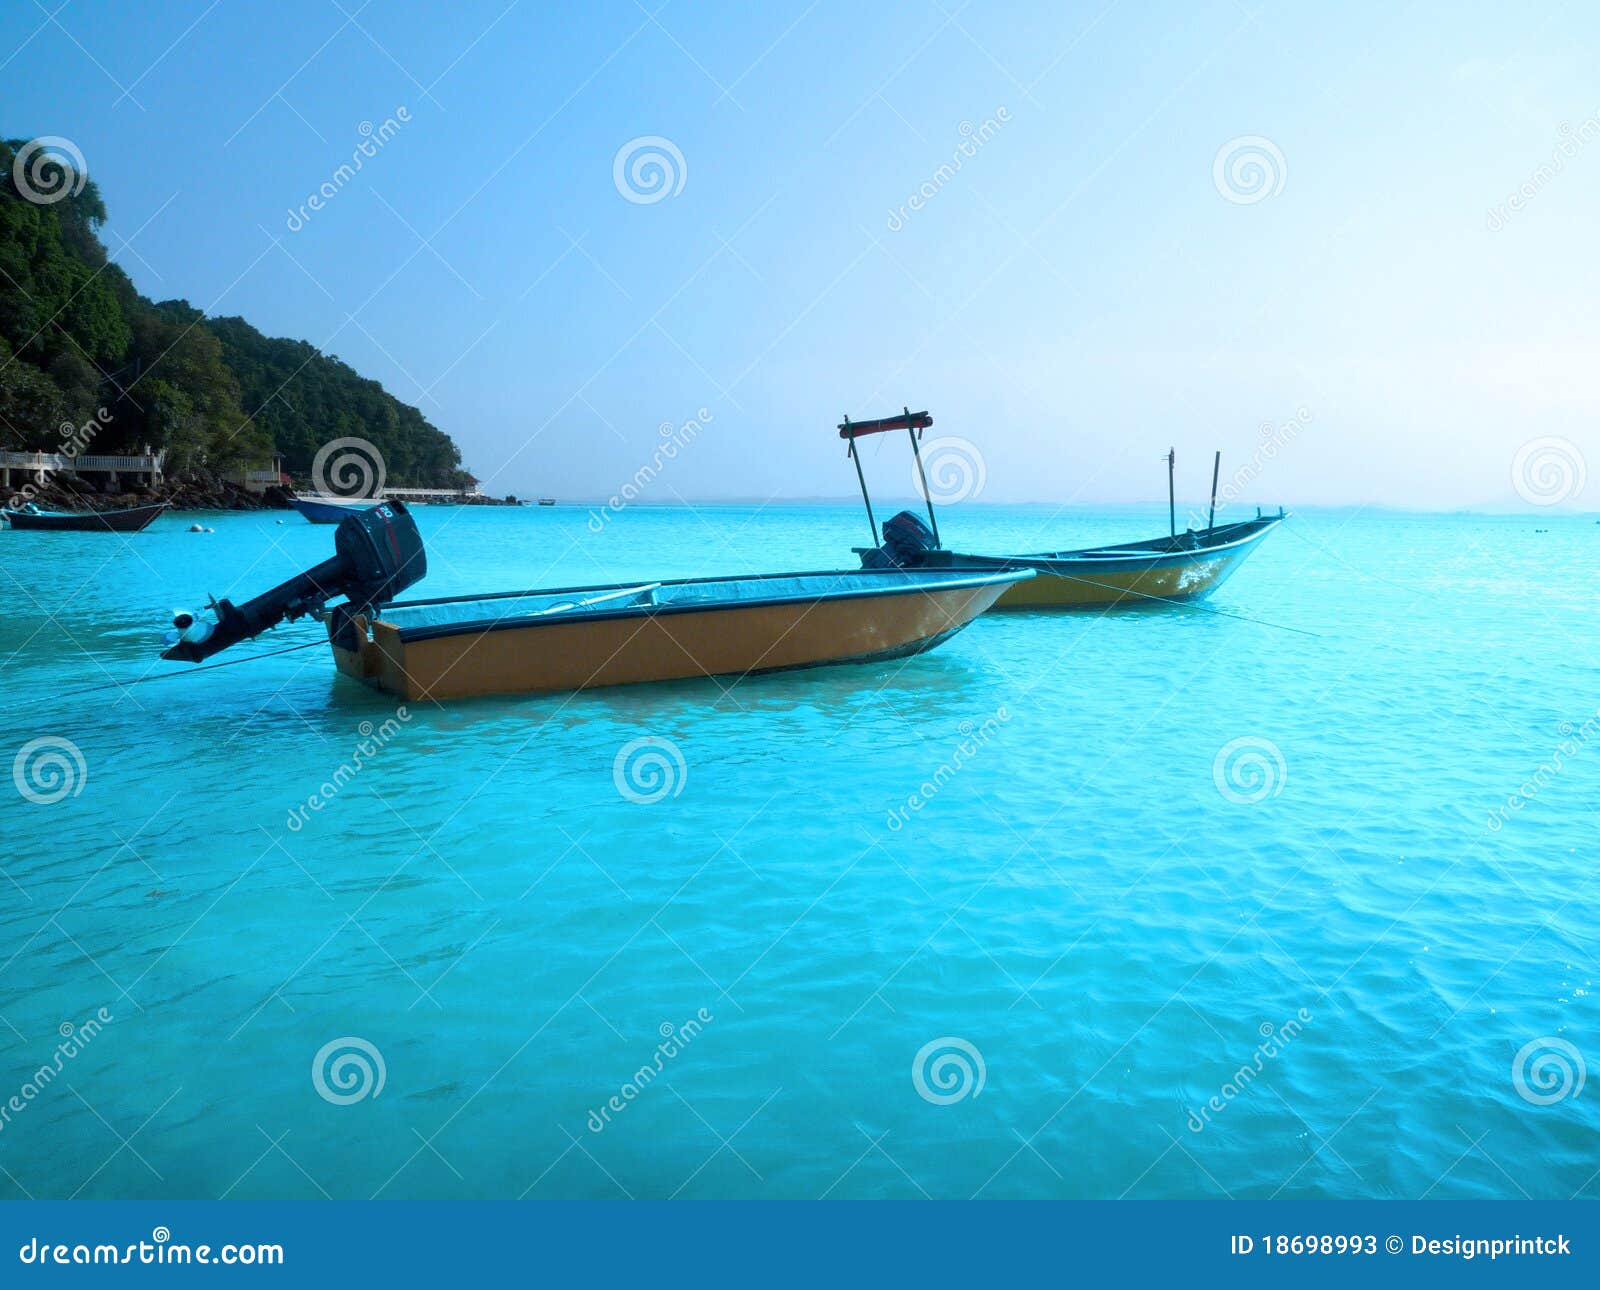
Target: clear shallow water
1080,902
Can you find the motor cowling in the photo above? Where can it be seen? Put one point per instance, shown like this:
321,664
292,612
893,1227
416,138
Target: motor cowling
906,542
378,554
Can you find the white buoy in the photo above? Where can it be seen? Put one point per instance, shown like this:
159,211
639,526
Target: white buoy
197,528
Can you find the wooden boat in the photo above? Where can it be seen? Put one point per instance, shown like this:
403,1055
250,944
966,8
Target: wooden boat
576,638
1174,569
1187,567
130,520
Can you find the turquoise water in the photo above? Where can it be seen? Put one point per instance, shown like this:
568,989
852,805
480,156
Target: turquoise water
1104,914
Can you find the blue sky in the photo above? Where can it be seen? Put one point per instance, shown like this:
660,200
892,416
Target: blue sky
1090,286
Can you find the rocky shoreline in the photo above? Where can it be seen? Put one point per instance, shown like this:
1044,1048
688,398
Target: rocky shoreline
196,490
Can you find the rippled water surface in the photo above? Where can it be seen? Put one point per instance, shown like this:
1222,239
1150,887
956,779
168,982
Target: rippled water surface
1149,904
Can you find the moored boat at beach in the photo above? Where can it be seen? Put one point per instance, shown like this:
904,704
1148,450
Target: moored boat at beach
128,520
578,638
1172,569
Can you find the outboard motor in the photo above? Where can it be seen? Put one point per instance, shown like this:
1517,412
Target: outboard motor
906,540
379,555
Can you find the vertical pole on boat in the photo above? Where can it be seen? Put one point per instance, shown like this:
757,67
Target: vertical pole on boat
916,451
872,524
1172,491
1216,471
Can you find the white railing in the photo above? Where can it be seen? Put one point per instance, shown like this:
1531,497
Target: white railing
65,461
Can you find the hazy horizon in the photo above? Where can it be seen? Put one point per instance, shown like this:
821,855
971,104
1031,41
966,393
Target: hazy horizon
1079,235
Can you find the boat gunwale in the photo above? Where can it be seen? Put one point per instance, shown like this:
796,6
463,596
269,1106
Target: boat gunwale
958,580
1143,551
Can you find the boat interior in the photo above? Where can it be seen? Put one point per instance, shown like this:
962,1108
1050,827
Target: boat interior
522,606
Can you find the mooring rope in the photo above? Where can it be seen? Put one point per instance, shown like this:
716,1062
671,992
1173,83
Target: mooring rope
168,676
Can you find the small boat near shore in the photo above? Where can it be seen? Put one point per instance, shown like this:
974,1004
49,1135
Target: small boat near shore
329,510
1174,569
577,638
129,520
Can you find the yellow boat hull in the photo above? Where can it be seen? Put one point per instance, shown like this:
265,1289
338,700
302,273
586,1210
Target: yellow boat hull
1095,588
585,652
1163,571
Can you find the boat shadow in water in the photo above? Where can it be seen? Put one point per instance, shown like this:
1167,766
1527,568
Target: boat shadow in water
931,685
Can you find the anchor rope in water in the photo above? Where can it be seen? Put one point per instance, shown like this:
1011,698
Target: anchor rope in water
168,676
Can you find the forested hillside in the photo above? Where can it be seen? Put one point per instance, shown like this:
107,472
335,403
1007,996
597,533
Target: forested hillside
214,393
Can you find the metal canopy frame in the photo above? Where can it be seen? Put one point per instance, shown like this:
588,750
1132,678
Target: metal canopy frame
913,423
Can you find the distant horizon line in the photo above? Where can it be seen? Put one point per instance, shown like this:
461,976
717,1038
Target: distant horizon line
887,505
